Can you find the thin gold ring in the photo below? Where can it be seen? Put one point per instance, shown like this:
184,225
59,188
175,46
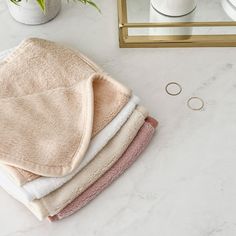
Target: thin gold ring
173,94
193,108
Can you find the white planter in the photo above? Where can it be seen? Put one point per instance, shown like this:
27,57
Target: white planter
29,12
174,7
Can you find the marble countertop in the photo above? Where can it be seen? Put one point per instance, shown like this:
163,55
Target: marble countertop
184,184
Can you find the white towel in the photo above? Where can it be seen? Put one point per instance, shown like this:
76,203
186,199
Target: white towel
10,187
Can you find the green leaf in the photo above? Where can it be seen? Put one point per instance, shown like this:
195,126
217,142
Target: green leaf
94,5
15,2
42,4
91,3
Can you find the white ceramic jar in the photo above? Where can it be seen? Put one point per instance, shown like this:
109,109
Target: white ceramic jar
174,7
173,32
29,12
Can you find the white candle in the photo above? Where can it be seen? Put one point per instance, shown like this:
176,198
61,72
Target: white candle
174,7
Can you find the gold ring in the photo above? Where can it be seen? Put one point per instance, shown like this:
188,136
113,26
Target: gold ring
171,93
195,108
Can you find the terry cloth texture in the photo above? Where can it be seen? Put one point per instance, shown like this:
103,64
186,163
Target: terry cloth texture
18,175
131,154
42,186
57,200
50,112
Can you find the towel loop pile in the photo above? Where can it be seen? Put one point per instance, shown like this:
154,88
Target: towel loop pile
62,139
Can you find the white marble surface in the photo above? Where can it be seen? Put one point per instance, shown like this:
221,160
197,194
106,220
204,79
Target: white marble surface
184,184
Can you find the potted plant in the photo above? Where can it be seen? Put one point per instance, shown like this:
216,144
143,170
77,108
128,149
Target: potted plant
34,12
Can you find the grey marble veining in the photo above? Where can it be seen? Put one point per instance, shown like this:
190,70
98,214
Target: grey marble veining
184,184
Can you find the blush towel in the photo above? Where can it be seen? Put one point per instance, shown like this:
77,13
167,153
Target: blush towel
134,150
50,112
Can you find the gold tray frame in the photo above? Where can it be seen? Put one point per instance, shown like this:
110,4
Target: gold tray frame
146,41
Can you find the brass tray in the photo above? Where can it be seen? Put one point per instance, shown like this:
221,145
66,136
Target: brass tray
140,27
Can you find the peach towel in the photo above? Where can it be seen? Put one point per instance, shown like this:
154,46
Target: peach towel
52,103
134,150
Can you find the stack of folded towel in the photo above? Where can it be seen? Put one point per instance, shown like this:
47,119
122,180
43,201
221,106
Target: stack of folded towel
67,129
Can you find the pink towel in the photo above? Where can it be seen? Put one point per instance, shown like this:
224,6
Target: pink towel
140,142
